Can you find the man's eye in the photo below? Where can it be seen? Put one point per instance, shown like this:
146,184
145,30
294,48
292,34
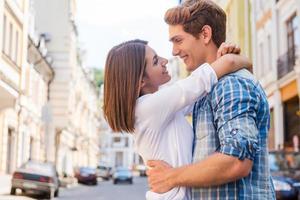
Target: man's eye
155,62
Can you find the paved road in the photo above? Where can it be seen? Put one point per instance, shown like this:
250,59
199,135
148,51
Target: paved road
105,190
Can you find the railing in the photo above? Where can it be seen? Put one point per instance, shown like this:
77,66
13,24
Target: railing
286,62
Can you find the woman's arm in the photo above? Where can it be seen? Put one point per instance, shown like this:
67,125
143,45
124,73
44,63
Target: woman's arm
230,63
159,107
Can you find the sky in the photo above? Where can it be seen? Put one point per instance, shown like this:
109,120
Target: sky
105,23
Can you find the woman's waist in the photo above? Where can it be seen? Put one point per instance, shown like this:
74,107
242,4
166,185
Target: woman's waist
178,193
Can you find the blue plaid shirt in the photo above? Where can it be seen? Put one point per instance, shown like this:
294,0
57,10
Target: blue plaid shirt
233,119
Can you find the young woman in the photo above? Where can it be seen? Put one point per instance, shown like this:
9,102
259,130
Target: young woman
134,103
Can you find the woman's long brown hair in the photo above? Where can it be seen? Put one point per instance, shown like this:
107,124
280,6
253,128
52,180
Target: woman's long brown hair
124,69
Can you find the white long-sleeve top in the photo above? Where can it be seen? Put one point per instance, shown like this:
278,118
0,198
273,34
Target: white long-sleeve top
161,129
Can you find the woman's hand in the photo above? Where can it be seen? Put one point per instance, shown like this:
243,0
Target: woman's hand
228,48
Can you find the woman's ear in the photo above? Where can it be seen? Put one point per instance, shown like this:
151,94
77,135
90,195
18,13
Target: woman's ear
206,34
142,87
143,83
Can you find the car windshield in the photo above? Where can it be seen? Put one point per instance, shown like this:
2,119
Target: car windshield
281,161
38,167
123,172
87,170
102,167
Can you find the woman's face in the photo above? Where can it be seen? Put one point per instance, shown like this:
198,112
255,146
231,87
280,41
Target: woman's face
156,70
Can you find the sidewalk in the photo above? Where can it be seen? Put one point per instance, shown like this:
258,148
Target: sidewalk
5,183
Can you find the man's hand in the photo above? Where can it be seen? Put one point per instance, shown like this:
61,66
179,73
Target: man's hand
159,176
227,48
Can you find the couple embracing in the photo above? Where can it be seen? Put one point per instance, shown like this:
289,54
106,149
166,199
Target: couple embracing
224,154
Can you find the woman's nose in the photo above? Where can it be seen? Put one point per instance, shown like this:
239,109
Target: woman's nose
164,61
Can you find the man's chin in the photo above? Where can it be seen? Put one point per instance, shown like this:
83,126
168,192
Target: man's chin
191,68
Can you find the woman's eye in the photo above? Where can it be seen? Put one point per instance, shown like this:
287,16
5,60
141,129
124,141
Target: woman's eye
155,62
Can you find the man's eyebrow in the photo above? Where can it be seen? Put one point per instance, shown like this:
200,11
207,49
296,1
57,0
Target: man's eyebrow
173,38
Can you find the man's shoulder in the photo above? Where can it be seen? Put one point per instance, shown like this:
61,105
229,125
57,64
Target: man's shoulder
242,80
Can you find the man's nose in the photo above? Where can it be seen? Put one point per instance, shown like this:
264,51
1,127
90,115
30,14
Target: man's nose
175,51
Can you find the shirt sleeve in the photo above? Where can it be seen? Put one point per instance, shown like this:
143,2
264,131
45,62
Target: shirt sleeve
158,108
188,110
234,103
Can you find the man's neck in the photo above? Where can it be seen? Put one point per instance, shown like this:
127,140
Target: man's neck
211,54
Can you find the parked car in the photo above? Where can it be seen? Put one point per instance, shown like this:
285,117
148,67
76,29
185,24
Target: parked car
285,170
103,172
37,177
87,175
122,174
142,170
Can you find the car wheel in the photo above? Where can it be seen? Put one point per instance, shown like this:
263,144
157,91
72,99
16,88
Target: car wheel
50,195
130,181
13,191
56,193
115,182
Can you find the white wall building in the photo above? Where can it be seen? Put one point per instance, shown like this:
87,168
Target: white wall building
276,42
73,97
13,47
116,149
26,75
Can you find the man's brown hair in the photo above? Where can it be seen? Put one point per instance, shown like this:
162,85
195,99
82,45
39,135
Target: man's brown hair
124,69
194,14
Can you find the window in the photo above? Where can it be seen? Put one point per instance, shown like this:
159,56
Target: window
261,60
269,52
293,40
16,47
4,33
10,40
296,31
117,139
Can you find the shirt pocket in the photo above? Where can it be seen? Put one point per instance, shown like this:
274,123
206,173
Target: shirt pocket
205,125
201,131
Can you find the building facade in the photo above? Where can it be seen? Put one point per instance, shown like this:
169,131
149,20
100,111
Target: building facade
49,108
73,98
26,71
276,41
13,44
116,149
238,26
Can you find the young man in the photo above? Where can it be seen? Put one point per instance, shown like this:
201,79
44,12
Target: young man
230,152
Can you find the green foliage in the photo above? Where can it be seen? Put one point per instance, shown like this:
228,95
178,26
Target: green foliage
99,77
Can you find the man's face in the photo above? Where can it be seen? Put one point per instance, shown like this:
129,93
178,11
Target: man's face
187,47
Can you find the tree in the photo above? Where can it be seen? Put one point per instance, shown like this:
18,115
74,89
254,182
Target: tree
99,76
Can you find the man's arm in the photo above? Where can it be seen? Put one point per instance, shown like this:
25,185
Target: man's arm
233,103
217,169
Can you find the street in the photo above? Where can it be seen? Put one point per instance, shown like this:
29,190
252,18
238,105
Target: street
105,190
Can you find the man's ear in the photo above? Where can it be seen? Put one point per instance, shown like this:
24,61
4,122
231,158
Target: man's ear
206,34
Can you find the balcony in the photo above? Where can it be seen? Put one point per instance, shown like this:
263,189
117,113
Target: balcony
286,62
